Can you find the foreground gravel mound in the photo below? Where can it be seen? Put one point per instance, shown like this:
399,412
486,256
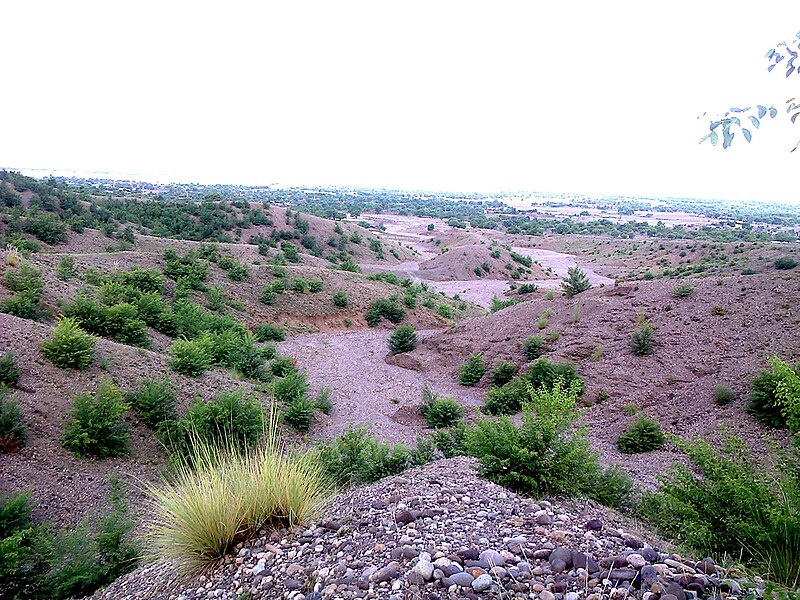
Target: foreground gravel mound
440,531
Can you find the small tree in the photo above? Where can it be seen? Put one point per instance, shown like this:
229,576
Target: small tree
9,369
403,339
472,371
575,282
95,426
641,342
70,347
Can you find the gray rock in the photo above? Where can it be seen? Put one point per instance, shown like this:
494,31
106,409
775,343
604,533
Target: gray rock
557,565
462,579
649,554
384,574
542,518
635,560
649,575
564,554
573,596
584,561
622,574
258,569
669,597
676,590
593,525
707,566
424,569
492,558
482,583
547,595
405,517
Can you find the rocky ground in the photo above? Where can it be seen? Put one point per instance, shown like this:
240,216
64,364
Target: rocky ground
441,532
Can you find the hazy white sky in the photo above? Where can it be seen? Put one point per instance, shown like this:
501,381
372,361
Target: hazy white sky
581,96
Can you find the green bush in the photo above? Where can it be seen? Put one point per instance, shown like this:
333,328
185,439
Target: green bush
726,503
775,396
323,401
472,371
236,270
503,372
508,398
27,285
37,561
9,369
246,359
95,426
643,436
65,269
683,290
267,332
69,347
357,458
723,395
785,263
403,339
315,285
441,411
545,455
532,347
543,373
282,365
300,413
641,342
13,431
155,401
612,487
575,282
192,357
340,299
290,387
229,420
384,308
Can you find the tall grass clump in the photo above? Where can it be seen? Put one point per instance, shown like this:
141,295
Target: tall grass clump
222,495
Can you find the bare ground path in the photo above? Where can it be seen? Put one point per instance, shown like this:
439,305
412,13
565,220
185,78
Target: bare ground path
364,388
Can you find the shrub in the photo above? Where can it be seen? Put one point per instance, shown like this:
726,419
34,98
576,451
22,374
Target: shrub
643,436
503,372
472,371
290,387
267,332
229,420
315,285
445,310
27,285
785,263
683,290
340,299
248,360
356,458
545,455
219,496
440,411
775,396
9,369
718,310
403,339
508,398
300,285
236,270
723,395
384,308
300,413
156,401
13,431
192,357
95,427
69,347
641,342
532,347
727,504
543,373
65,269
575,282
282,365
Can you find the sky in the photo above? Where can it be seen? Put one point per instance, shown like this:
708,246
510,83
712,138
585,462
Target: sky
580,96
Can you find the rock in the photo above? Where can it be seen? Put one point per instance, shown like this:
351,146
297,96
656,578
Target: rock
468,554
557,565
614,562
259,568
405,517
492,558
543,518
546,595
707,566
593,525
573,596
649,575
404,361
637,561
669,597
632,541
424,569
649,554
674,589
564,554
462,579
482,583
384,574
621,574
584,561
